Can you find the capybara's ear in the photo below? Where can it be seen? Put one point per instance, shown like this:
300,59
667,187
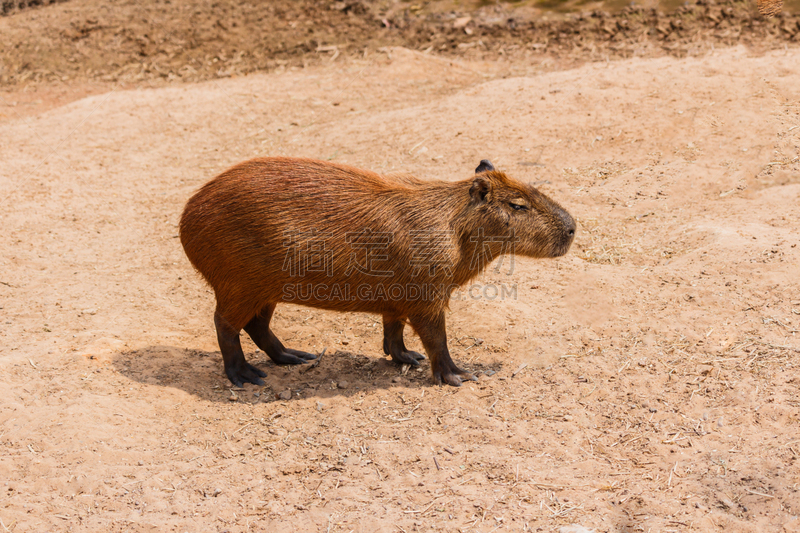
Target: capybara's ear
484,166
481,190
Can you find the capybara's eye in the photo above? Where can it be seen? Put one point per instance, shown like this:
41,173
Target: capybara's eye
517,207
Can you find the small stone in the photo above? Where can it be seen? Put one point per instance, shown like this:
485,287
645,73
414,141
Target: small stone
342,384
396,379
345,342
720,422
489,373
462,22
567,418
285,395
216,492
140,463
320,406
560,431
233,397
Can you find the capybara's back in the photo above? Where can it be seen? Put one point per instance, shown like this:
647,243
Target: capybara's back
328,235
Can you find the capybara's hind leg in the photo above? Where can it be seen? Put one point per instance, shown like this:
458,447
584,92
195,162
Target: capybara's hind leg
258,329
393,342
431,330
237,369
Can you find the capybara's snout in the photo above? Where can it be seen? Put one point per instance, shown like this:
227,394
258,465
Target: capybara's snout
568,228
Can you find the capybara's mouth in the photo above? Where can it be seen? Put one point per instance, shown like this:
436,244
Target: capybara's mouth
563,247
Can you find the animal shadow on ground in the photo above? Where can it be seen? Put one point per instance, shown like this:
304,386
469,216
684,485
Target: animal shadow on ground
340,373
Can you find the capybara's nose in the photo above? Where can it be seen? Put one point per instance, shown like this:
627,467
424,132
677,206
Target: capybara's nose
569,223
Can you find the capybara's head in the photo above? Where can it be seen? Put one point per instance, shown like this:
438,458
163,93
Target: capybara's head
511,209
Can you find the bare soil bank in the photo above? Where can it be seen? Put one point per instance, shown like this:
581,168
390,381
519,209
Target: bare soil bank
126,41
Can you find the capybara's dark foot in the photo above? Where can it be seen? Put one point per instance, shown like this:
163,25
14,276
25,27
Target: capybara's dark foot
452,375
453,379
447,378
407,357
245,373
431,331
393,342
258,329
287,356
302,355
238,370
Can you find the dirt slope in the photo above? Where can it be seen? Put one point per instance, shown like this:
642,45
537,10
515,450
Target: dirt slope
646,381
161,41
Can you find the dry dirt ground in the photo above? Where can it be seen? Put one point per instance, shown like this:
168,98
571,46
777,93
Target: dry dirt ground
647,381
161,41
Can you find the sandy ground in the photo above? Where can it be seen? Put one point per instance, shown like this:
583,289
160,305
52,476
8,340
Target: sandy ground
648,381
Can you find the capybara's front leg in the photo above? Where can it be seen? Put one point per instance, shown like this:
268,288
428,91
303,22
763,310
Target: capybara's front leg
432,332
393,342
238,370
259,330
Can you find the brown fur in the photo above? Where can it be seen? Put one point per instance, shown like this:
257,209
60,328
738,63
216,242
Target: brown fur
238,229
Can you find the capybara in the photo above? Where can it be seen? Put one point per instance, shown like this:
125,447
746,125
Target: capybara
331,236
